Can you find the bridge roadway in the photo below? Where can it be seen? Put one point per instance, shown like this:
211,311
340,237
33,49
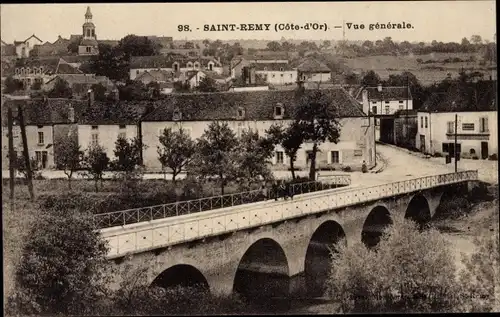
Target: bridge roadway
161,233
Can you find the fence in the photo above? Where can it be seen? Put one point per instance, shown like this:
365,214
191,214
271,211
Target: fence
172,232
130,216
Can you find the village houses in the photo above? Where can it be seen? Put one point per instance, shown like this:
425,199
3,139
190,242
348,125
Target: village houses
312,70
258,110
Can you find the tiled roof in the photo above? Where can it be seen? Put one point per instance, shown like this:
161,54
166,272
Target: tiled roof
64,68
312,65
106,113
76,58
75,37
49,64
388,93
108,42
89,42
258,105
271,66
159,61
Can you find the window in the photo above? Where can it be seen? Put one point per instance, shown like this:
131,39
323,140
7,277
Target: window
279,157
95,127
308,156
122,135
281,69
89,49
468,126
401,101
387,102
374,102
265,68
278,111
335,157
425,122
176,67
41,159
387,109
281,75
291,75
17,71
274,76
137,72
93,33
28,70
95,139
445,148
451,127
483,124
41,69
358,153
421,122
241,113
196,65
374,109
122,126
40,138
88,32
189,64
22,70
210,66
401,107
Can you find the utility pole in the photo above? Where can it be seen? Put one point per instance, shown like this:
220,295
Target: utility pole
26,152
455,146
11,154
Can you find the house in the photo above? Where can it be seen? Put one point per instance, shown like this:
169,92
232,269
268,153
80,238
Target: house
23,48
476,133
276,73
258,110
46,122
81,83
59,47
238,63
400,129
387,100
159,76
312,70
172,63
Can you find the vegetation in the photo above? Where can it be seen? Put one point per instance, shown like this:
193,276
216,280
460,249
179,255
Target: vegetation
290,139
61,89
176,150
12,85
95,162
128,155
69,156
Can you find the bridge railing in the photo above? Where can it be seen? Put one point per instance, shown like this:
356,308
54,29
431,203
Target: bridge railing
173,231
136,215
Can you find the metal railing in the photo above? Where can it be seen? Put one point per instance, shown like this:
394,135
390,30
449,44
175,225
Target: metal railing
145,238
136,215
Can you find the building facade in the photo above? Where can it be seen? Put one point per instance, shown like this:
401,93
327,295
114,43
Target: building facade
276,73
23,48
312,70
387,100
259,110
173,64
476,133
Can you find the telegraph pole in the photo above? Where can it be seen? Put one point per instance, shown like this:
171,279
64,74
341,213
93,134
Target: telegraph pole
26,152
455,146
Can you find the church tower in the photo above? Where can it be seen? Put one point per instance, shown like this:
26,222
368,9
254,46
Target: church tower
88,44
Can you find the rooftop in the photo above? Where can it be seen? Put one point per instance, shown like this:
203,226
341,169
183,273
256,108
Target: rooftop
312,65
388,93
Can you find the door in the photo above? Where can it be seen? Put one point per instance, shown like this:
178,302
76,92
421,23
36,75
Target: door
44,159
422,143
484,150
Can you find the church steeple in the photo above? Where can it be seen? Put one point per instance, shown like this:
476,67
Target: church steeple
88,15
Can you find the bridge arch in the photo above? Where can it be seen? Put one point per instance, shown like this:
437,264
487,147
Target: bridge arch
263,271
376,222
318,258
181,275
418,210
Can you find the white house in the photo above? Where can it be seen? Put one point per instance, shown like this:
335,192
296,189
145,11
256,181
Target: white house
258,110
23,48
387,100
276,73
312,70
476,133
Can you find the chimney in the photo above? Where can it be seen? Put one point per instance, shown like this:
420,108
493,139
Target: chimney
379,87
91,97
252,75
366,102
71,114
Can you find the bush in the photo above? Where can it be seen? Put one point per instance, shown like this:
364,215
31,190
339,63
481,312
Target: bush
475,157
437,154
346,169
452,207
493,157
465,155
63,267
409,271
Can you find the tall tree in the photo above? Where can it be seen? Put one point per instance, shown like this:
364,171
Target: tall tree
207,84
217,154
290,139
255,152
476,39
69,156
274,46
317,118
371,79
95,161
176,150
99,92
128,155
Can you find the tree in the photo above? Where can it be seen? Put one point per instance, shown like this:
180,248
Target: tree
69,156
290,139
255,152
408,271
99,92
207,84
371,79
188,45
73,47
217,154
111,62
95,161
176,150
317,118
133,90
273,46
63,267
128,155
352,79
132,45
476,39
21,167
153,89
180,86
326,44
37,85
465,42
61,89
12,85
367,44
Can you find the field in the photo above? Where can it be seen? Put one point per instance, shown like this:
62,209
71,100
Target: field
427,73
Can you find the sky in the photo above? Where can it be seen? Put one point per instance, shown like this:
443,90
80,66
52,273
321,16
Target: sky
431,20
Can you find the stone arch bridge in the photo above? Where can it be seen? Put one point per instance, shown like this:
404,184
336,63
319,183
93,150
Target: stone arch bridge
263,246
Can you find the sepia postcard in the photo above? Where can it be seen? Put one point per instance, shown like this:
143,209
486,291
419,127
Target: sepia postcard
243,158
